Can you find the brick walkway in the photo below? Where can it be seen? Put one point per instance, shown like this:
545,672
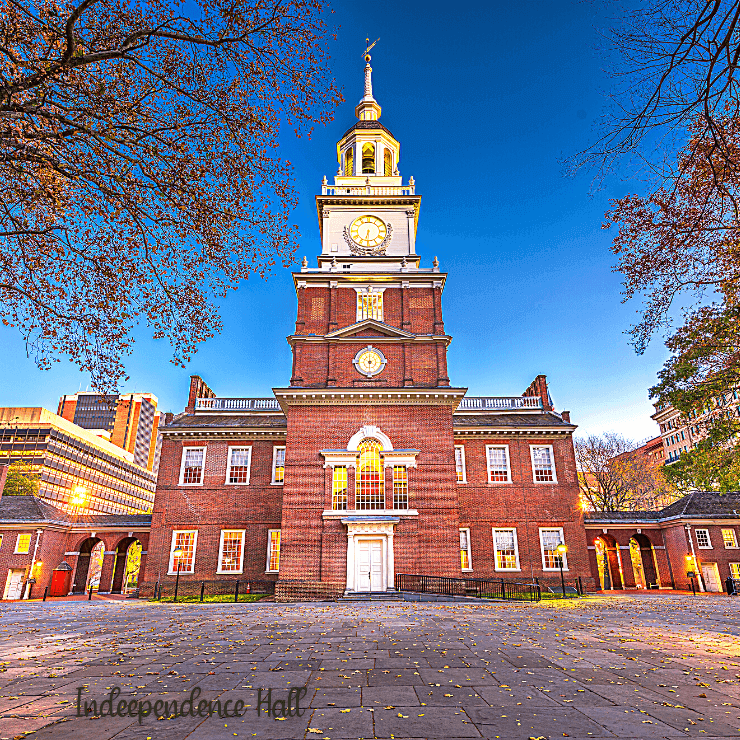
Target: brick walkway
627,667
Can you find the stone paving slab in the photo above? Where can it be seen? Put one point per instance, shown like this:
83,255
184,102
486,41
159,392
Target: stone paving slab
595,668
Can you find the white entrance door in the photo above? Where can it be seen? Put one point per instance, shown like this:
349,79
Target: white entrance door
710,571
14,584
369,559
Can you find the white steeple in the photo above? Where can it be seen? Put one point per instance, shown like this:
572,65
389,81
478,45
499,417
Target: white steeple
368,108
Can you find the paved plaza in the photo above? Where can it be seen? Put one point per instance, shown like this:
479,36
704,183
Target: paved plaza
628,667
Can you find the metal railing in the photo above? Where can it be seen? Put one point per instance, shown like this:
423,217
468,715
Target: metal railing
482,588
500,403
221,590
237,404
367,189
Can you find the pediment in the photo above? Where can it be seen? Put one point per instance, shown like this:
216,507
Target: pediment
369,328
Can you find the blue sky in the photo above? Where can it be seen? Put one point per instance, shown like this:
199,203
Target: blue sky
486,99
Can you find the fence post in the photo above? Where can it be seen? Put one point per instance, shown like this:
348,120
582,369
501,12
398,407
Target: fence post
202,590
46,590
89,596
580,583
236,592
503,590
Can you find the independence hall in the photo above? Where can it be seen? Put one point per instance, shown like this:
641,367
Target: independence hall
368,461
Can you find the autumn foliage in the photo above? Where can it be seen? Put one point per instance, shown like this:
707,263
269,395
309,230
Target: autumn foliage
139,158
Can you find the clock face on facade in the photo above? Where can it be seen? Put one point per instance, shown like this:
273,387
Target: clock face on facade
368,231
369,361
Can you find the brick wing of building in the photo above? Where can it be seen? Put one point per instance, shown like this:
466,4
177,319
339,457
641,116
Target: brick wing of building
369,463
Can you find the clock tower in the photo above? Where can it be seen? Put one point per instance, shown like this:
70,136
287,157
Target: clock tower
369,459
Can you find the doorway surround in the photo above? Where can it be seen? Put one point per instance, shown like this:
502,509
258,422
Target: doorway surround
363,528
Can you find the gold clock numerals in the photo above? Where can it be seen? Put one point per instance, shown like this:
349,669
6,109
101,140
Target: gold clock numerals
369,361
368,231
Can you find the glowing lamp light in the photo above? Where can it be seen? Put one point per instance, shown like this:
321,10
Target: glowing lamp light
562,548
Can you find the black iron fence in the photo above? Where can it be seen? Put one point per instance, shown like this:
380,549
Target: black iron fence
223,590
482,588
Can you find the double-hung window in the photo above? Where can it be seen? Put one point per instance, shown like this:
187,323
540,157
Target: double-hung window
273,551
339,488
23,544
238,465
192,465
400,487
505,549
369,304
278,465
231,551
465,561
543,464
550,538
497,457
735,571
460,464
729,538
703,539
185,540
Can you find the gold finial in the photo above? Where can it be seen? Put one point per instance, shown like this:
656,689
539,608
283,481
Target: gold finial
369,46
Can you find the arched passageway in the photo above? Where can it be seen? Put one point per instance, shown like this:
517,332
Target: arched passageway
126,569
643,561
607,560
89,563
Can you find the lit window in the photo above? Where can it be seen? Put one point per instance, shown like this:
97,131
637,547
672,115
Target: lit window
369,488
543,466
387,163
460,464
273,550
23,544
348,161
369,304
185,540
728,537
1,540
339,488
231,551
237,470
498,464
191,470
368,159
735,571
549,540
278,465
505,549
400,487
465,561
703,540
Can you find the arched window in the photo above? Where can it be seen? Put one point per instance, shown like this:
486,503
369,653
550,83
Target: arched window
387,163
348,161
368,159
369,490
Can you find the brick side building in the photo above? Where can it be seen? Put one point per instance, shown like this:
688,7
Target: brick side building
697,534
369,462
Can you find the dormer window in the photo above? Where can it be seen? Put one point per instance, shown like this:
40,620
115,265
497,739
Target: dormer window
368,159
387,163
348,161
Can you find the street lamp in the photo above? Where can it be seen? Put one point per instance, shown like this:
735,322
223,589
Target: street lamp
561,549
178,552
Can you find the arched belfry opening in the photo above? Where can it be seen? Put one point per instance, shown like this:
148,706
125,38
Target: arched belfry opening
368,159
387,163
348,162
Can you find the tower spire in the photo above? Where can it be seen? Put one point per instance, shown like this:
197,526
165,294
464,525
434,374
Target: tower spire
368,108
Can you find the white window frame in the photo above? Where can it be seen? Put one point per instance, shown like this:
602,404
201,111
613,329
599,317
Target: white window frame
709,539
1,540
516,550
228,466
470,550
172,570
182,466
508,466
542,549
367,291
462,460
275,448
724,529
269,550
18,542
243,533
554,469
738,569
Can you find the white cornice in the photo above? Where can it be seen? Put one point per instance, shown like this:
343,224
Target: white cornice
378,396
502,431
225,431
388,279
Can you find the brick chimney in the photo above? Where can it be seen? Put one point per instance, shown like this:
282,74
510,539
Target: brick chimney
566,416
198,389
538,387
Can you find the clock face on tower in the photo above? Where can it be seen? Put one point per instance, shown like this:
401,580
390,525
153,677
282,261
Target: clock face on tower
369,361
368,231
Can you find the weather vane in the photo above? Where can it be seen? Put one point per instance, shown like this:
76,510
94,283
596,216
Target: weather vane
366,53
